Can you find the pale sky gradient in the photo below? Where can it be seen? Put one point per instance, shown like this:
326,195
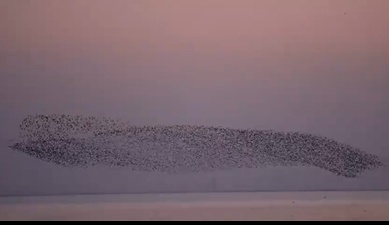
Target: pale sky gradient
314,66
299,65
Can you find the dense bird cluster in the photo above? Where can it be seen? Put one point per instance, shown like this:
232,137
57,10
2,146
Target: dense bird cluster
87,141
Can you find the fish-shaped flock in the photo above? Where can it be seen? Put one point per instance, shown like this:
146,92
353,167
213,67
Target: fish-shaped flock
88,141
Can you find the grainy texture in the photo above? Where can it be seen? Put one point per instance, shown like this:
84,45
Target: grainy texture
239,206
88,141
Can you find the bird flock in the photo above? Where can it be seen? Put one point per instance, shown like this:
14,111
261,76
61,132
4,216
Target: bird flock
81,141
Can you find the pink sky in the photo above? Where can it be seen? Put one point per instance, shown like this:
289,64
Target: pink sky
274,64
